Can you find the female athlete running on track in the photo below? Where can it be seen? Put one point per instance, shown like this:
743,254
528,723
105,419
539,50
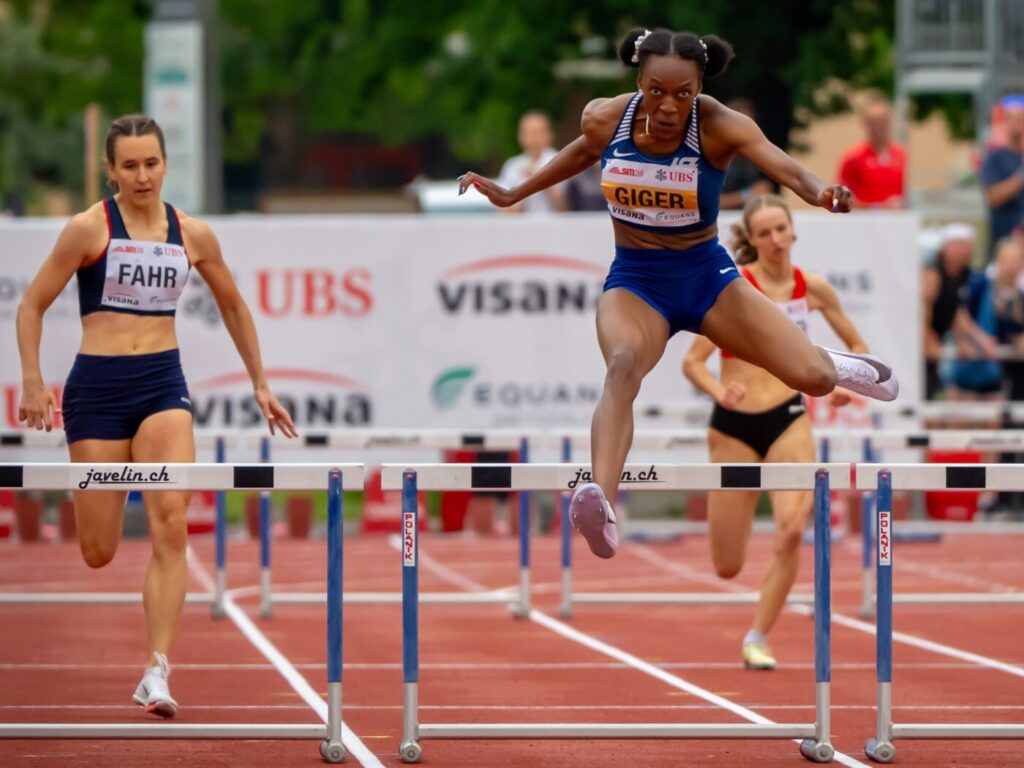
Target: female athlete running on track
759,418
663,154
126,399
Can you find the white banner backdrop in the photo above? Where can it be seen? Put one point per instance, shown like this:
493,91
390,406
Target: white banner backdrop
454,322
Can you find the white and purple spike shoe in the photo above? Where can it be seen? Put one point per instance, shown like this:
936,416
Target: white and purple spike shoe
593,516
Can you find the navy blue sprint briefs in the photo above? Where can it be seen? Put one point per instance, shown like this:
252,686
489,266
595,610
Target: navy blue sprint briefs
108,397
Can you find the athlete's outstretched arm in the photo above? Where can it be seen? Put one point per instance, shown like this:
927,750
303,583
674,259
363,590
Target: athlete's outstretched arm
740,135
205,253
38,404
597,125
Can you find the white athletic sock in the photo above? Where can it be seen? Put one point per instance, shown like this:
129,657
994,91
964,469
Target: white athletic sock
753,636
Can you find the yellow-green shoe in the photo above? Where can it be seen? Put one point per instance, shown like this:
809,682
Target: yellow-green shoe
758,656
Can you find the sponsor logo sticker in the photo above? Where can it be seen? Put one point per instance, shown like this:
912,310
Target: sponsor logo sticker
125,476
408,539
884,538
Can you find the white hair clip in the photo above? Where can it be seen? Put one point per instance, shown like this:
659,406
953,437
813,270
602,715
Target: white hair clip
636,46
705,47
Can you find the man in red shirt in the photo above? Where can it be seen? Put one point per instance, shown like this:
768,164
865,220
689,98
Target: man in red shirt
874,169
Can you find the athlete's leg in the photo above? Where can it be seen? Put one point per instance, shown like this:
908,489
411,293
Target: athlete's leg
632,336
790,509
730,513
745,322
99,514
165,436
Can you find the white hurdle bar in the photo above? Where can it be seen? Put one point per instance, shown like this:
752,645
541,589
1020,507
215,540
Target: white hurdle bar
884,478
815,740
191,477
438,439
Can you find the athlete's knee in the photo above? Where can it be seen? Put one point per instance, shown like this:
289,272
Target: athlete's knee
624,375
727,567
97,554
788,537
169,525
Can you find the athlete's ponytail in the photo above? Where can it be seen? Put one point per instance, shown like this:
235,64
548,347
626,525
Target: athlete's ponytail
131,125
743,251
710,53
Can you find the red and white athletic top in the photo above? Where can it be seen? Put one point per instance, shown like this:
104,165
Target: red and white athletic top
795,307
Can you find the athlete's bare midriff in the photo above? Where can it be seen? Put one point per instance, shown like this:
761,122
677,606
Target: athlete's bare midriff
632,237
764,391
120,333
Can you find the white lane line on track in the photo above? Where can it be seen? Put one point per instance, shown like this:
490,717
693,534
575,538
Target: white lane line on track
353,744
606,649
850,622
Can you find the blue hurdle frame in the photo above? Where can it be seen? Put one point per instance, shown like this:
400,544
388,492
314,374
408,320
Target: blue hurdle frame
817,749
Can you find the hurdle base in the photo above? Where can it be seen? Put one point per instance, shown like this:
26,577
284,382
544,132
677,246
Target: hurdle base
497,597
880,751
817,751
332,751
683,598
615,731
410,751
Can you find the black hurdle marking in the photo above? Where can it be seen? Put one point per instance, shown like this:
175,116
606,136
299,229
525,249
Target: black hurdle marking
918,441
487,476
12,476
12,439
254,476
965,477
741,477
317,440
473,439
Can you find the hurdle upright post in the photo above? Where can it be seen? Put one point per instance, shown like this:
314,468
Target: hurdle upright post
521,609
331,748
819,749
266,611
880,748
565,609
410,749
220,579
867,525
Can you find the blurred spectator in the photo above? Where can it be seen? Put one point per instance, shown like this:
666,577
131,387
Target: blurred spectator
535,139
945,292
743,178
1002,175
583,191
995,302
874,168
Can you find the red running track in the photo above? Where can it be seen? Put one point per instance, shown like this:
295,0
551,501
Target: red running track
81,663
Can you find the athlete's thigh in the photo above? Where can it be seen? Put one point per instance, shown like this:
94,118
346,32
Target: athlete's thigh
99,514
730,513
795,445
749,325
627,322
165,436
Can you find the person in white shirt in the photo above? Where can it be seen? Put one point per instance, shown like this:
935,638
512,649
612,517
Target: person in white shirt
535,138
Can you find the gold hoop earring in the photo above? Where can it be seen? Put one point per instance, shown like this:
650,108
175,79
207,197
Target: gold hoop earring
647,126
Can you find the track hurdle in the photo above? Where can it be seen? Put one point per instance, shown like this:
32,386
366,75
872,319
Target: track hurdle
191,477
815,737
436,439
662,440
1008,440
920,477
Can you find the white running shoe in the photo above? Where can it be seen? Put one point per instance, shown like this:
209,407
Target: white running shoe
864,374
153,693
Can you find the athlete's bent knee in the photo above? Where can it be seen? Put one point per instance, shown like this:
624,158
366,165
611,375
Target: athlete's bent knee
728,569
788,539
96,555
623,376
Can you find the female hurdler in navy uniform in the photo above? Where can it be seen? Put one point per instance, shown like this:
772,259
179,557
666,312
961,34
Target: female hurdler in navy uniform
126,399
